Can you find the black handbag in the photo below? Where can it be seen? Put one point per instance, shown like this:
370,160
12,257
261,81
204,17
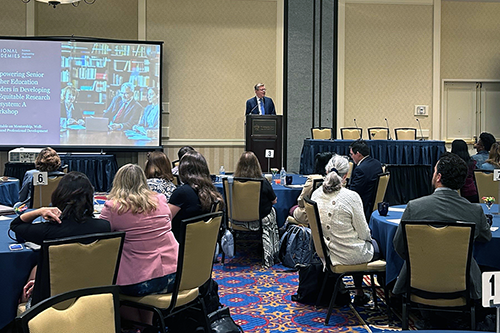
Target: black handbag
221,322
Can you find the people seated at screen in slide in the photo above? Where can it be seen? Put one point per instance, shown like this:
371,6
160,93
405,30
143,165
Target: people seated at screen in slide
71,214
150,116
260,104
47,160
71,114
128,113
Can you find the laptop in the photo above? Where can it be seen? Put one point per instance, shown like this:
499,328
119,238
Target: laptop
96,124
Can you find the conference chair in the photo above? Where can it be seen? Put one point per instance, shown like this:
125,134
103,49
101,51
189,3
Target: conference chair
405,133
77,311
321,133
317,183
381,186
438,265
317,180
176,180
42,194
378,133
77,262
371,268
351,133
486,187
194,267
242,199
175,163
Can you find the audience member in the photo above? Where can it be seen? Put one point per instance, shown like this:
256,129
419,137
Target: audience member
365,174
469,190
249,166
128,112
493,161
149,258
180,153
159,174
483,147
47,160
70,111
71,214
197,193
345,231
445,204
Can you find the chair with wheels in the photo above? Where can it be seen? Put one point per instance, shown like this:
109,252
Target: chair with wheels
371,268
321,133
438,259
351,133
378,133
194,267
405,133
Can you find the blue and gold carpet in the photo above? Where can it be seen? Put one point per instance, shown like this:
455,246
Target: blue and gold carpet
260,299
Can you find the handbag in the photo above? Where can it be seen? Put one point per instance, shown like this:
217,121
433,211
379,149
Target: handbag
221,322
227,243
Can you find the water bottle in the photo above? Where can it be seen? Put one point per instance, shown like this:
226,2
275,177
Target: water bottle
222,172
283,176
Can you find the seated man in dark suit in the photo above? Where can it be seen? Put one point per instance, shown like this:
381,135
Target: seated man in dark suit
126,114
260,104
445,204
365,174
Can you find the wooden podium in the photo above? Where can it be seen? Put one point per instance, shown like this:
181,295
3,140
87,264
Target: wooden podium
261,133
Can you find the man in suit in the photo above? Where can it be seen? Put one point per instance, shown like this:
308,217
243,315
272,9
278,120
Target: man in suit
365,174
127,113
445,204
260,104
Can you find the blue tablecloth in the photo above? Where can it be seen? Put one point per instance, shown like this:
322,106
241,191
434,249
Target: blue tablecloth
386,151
287,197
383,230
9,192
100,169
14,272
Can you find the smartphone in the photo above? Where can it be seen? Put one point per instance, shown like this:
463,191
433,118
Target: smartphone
16,247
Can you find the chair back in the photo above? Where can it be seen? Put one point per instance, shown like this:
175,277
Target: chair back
351,133
176,181
89,310
319,133
42,194
313,217
198,238
405,133
317,183
77,262
378,133
486,187
438,261
244,198
381,186
175,163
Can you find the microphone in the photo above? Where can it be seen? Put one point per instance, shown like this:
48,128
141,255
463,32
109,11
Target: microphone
388,129
421,133
253,109
356,124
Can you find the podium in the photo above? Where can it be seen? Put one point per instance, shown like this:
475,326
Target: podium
261,133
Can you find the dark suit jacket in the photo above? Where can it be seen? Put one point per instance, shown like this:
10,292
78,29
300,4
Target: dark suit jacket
443,205
363,180
129,117
254,109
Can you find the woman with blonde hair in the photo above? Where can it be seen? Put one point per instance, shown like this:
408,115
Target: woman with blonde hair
149,258
345,231
159,174
196,195
249,166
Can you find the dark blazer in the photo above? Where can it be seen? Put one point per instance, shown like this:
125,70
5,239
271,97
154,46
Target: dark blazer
129,117
443,205
254,109
363,180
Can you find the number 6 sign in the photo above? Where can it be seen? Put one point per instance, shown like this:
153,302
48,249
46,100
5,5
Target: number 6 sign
40,178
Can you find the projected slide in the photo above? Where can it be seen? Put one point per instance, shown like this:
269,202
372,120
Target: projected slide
79,93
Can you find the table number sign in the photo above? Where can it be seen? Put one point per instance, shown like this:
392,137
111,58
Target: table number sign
491,293
40,178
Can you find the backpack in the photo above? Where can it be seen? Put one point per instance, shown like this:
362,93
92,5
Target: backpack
296,246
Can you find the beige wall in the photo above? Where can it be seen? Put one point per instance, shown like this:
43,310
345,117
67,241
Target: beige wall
388,64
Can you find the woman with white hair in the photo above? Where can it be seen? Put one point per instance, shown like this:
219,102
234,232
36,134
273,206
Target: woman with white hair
345,231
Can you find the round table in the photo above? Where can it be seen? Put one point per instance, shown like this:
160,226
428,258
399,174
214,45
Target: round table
9,191
384,227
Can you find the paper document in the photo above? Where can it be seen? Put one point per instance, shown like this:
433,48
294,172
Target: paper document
396,209
394,220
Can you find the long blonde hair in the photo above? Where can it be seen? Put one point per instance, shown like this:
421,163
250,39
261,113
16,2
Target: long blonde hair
130,191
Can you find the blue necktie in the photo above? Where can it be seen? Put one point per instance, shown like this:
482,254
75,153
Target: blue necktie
262,106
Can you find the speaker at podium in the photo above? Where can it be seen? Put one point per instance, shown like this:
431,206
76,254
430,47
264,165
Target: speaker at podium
264,132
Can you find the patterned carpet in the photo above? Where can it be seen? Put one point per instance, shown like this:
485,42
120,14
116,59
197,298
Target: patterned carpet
260,299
